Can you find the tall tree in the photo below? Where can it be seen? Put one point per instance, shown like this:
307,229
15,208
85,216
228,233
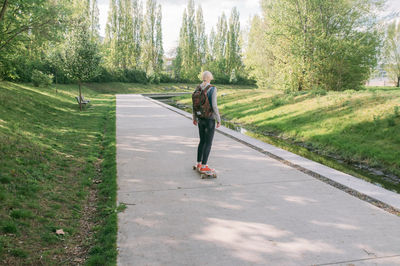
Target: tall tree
93,16
320,43
391,52
149,38
221,39
201,37
258,58
192,49
212,46
233,50
191,35
159,42
81,55
124,35
126,39
137,31
112,36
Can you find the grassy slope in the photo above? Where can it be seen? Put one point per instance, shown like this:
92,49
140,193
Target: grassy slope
58,171
48,157
359,126
50,154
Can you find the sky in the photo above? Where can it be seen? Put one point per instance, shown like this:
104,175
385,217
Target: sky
172,11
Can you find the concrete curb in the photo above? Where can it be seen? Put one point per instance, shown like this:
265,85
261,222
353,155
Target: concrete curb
369,192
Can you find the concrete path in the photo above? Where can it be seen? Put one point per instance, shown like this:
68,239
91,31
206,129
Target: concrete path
257,212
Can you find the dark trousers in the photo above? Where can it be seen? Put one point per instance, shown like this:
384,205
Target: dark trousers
206,132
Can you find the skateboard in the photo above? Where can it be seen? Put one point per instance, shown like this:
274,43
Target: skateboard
208,174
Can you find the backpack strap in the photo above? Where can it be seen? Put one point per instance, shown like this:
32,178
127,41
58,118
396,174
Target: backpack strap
209,95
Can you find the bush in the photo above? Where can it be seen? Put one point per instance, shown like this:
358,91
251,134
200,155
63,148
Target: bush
166,78
135,76
154,79
318,92
41,79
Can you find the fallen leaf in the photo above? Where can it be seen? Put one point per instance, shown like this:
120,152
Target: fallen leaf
60,232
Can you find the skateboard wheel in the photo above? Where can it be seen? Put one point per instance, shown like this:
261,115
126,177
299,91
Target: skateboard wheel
194,167
203,176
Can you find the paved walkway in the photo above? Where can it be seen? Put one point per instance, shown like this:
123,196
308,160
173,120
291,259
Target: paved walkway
257,212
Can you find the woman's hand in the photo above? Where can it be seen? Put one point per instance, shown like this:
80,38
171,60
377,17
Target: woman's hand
218,124
195,122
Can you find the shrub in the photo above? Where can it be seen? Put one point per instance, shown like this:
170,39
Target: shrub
41,79
278,101
318,92
166,78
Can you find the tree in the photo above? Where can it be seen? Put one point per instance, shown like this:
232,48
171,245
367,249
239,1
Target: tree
93,16
220,40
181,62
26,28
391,51
159,43
201,37
211,55
233,50
137,31
218,49
111,41
259,59
192,50
320,43
152,49
18,18
81,56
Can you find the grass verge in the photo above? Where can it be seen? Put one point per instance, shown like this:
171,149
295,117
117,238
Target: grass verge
352,131
58,171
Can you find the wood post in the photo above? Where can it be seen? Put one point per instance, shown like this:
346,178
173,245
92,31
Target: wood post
80,96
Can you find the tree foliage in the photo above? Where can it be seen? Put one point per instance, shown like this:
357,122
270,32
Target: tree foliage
220,52
26,29
81,57
133,41
332,45
391,51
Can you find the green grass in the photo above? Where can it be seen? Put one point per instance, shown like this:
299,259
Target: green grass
58,171
356,126
56,162
48,151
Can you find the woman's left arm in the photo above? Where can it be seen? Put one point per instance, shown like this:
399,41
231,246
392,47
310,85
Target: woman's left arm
215,107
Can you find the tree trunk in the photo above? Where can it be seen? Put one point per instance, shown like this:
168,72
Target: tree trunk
80,96
3,9
398,82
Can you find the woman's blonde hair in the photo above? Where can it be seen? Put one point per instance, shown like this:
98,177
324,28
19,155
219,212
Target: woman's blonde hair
207,74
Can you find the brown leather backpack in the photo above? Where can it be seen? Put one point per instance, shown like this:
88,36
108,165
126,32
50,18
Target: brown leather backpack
201,104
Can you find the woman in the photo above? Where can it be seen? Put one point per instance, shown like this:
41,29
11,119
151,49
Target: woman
206,125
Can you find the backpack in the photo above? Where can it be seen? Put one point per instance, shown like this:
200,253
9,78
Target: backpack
201,102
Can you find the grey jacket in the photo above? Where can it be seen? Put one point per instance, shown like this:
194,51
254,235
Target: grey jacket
213,103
